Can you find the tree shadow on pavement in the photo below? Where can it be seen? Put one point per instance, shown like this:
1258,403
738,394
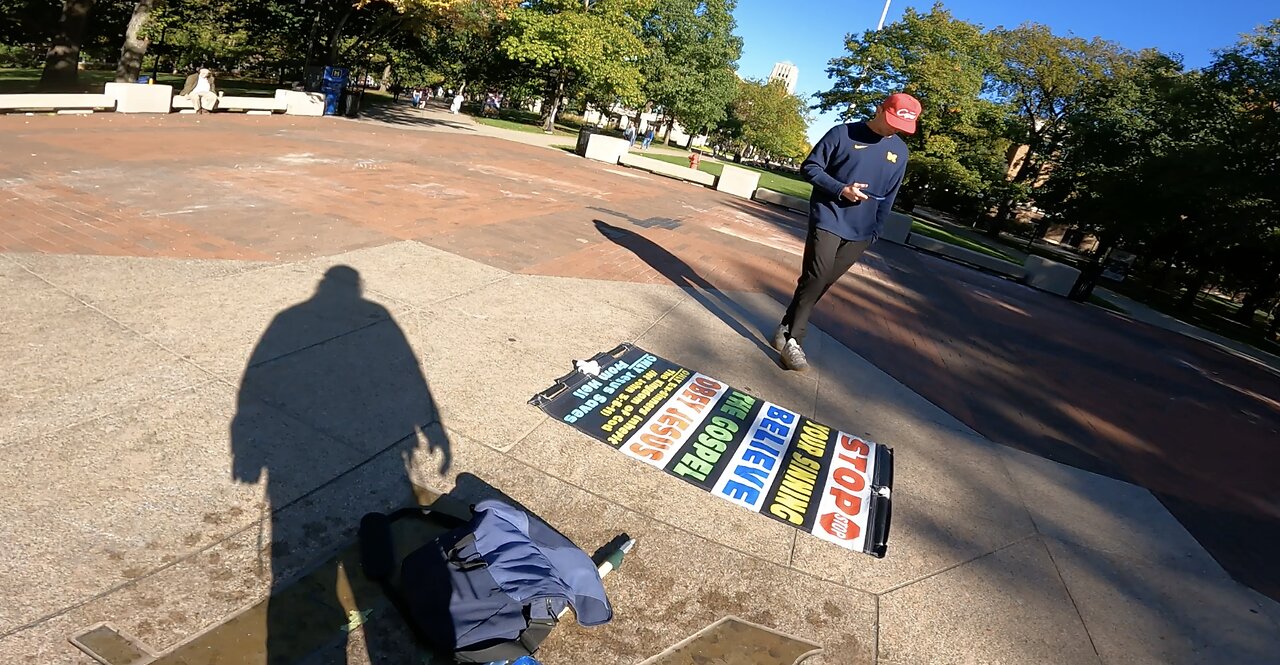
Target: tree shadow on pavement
403,114
682,275
333,408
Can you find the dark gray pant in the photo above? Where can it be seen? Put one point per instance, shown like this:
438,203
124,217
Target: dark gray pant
827,256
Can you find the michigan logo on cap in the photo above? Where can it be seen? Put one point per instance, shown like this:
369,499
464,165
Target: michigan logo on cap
891,156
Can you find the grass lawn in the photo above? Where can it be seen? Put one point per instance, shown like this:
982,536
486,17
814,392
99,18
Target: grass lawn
1209,312
785,184
521,126
1095,299
936,232
15,81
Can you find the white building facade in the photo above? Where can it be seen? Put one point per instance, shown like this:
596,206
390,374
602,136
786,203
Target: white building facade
787,73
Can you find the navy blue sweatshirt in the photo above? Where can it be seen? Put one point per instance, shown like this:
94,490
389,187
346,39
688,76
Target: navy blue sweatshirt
848,154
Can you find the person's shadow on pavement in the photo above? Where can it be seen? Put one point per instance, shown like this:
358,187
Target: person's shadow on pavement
681,274
332,407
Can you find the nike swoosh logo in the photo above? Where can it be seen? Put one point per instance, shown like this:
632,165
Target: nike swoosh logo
859,147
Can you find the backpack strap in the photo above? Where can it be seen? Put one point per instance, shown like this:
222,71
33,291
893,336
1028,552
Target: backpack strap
542,618
465,560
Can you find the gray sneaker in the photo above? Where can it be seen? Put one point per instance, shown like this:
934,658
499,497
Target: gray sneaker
780,337
793,357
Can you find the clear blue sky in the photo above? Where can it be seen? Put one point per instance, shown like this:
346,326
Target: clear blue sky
811,32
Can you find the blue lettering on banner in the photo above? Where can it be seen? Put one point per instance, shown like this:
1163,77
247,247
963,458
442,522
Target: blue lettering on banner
755,463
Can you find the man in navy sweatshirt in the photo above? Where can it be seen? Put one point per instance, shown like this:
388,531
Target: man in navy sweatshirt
855,171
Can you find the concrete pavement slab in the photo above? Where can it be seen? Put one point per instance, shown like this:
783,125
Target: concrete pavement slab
65,363
411,272
220,579
543,317
365,387
1007,607
219,324
644,300
1139,612
97,279
1100,513
38,298
480,390
114,499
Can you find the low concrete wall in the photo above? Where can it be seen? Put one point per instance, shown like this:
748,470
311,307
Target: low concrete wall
55,102
301,103
607,149
780,199
670,170
139,97
897,227
738,181
1050,276
969,256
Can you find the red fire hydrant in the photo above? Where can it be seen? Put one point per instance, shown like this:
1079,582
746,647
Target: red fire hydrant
694,160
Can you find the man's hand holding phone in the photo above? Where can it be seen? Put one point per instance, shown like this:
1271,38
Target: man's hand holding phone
854,194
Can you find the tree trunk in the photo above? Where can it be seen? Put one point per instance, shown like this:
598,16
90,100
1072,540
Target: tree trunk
1252,302
135,47
335,38
62,64
386,78
1188,298
552,108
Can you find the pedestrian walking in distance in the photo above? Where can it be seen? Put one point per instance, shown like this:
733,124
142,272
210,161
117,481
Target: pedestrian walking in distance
855,170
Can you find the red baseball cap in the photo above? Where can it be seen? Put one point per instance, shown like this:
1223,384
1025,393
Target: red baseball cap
901,111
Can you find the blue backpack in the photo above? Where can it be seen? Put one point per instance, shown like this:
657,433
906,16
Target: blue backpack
491,589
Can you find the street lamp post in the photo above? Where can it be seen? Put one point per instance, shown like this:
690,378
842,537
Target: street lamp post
883,14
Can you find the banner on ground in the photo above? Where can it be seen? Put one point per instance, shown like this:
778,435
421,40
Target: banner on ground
739,447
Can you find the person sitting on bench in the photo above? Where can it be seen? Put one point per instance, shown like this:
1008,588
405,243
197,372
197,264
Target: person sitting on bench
202,90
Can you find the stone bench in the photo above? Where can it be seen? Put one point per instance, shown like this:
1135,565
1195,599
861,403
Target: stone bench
667,169
607,149
738,181
897,228
301,103
976,259
1050,276
139,97
59,102
252,105
779,199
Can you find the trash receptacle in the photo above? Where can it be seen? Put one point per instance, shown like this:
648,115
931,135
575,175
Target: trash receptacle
584,135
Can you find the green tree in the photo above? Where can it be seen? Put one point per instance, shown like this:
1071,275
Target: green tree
1244,86
764,118
691,55
1042,76
958,153
567,45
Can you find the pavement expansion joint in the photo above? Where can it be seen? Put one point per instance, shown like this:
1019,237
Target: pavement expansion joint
958,564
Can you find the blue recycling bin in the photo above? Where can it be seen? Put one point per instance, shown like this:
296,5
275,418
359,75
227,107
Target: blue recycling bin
332,83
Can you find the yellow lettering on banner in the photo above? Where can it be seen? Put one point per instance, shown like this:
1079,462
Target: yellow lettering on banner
813,438
796,491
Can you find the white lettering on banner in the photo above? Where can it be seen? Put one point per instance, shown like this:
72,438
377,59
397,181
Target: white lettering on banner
657,442
846,500
758,459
